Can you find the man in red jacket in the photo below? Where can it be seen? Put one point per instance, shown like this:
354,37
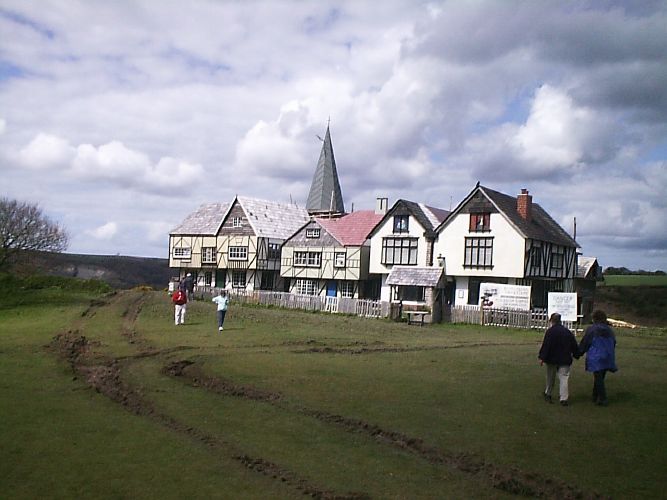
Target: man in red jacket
558,348
180,301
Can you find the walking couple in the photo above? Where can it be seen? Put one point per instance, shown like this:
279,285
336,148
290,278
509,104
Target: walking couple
559,347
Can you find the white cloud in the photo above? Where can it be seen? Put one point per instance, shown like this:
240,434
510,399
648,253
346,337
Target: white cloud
104,232
46,151
3,126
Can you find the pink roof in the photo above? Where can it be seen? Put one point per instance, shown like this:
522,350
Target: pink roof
351,229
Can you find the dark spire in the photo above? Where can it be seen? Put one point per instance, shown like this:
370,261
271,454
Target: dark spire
325,195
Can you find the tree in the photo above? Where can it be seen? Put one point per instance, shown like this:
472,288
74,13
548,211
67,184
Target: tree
23,227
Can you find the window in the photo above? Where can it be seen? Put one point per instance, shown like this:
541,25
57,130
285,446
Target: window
401,223
267,280
274,251
339,259
238,253
347,289
307,259
480,222
238,279
399,251
313,233
182,253
208,278
236,221
305,287
409,293
478,253
557,258
208,255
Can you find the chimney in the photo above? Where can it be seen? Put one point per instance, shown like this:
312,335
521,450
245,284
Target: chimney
381,206
524,205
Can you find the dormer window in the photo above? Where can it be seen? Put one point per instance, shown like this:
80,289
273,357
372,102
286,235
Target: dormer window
480,222
313,232
401,223
236,221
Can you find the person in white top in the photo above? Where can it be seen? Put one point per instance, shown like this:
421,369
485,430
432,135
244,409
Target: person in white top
223,302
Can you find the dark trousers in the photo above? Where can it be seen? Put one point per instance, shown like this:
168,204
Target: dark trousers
221,318
599,392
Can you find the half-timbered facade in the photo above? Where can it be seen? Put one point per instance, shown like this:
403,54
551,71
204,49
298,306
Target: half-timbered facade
235,245
494,237
405,237
330,256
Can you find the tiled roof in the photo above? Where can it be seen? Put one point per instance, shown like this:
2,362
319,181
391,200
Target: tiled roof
415,276
584,265
351,229
205,220
428,217
271,219
540,227
434,215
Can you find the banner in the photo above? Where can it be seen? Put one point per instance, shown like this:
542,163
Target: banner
564,304
500,296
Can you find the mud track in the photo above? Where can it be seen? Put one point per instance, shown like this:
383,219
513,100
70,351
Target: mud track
105,376
509,480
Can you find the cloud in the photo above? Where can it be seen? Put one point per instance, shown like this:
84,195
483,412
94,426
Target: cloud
3,126
104,232
112,162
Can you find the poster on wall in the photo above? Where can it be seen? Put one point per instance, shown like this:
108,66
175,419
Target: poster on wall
564,304
500,296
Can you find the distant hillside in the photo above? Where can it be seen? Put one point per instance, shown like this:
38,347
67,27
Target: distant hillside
116,270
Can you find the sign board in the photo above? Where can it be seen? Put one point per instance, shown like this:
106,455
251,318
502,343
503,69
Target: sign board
500,296
564,304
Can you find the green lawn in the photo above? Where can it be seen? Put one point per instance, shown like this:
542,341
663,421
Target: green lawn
634,280
287,402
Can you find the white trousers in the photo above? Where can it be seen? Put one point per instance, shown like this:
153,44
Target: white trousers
563,372
179,314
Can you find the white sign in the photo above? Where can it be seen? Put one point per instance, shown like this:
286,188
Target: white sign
500,296
564,304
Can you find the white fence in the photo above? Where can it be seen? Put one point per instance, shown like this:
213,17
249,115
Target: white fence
358,307
511,318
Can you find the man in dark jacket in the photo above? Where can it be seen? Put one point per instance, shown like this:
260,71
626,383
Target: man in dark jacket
599,344
558,348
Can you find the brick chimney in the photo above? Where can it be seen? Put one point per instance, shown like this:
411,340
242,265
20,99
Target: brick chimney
524,205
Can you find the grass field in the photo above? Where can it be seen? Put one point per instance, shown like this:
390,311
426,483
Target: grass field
634,280
108,399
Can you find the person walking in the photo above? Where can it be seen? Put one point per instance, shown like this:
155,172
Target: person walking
558,348
599,345
180,300
223,303
188,285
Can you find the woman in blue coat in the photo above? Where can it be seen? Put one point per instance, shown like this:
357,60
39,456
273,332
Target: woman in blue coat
599,344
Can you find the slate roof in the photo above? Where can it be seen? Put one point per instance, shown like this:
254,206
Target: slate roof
351,229
540,227
206,220
415,276
325,181
584,265
270,219
428,217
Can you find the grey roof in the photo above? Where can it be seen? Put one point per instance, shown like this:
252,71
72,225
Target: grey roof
271,219
205,220
325,182
584,265
415,276
540,227
428,217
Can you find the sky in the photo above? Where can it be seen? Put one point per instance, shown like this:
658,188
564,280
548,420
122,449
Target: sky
120,118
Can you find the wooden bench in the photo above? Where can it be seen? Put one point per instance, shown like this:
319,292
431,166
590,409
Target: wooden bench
416,317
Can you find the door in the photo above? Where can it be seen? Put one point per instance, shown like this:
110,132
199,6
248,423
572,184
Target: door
332,289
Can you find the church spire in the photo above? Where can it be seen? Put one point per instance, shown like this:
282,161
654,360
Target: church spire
325,196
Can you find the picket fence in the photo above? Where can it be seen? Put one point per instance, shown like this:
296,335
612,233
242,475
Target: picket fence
359,307
534,319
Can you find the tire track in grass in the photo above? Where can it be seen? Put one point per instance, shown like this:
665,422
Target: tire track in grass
105,377
507,479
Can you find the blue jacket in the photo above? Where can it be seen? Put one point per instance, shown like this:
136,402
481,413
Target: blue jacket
599,344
